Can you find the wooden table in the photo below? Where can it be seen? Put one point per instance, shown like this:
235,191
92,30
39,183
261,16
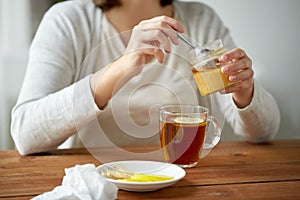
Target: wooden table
233,170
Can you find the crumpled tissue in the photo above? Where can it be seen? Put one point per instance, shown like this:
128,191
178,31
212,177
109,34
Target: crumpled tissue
82,182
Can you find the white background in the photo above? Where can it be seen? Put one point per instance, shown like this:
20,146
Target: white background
268,30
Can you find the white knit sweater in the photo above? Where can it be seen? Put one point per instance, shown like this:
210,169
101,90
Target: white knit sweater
75,40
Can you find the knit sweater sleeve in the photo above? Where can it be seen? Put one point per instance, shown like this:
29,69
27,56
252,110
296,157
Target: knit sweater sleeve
259,121
44,116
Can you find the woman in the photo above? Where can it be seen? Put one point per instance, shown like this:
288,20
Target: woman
63,92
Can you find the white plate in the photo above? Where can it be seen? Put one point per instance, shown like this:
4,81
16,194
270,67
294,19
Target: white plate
148,167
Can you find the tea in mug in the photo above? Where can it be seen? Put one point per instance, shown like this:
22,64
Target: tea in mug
182,139
210,80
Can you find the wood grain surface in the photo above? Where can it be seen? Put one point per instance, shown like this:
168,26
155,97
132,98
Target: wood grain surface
233,170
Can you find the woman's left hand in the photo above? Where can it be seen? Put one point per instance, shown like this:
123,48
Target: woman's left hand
239,69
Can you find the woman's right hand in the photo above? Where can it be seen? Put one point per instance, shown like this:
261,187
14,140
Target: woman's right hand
150,37
148,40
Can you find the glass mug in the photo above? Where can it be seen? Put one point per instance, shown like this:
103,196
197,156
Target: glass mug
206,68
183,133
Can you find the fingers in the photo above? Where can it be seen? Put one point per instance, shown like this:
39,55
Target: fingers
238,66
169,27
162,39
150,36
164,28
159,55
145,39
234,54
164,22
151,52
238,86
241,75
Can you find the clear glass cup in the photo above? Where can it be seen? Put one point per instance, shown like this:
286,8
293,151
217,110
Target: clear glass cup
183,133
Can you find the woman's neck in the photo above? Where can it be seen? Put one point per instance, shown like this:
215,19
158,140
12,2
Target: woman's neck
131,12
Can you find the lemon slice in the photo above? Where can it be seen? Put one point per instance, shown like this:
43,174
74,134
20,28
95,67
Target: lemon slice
147,178
188,120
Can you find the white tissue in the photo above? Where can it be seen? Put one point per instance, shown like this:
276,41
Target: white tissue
82,182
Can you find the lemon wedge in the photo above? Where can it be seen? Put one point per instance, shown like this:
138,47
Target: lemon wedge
188,120
147,178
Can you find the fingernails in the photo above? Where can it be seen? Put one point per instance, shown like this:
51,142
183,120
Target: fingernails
232,78
225,69
224,57
223,91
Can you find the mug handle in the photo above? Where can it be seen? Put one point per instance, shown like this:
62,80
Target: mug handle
212,138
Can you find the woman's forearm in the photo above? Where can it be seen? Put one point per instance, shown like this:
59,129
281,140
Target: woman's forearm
106,82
